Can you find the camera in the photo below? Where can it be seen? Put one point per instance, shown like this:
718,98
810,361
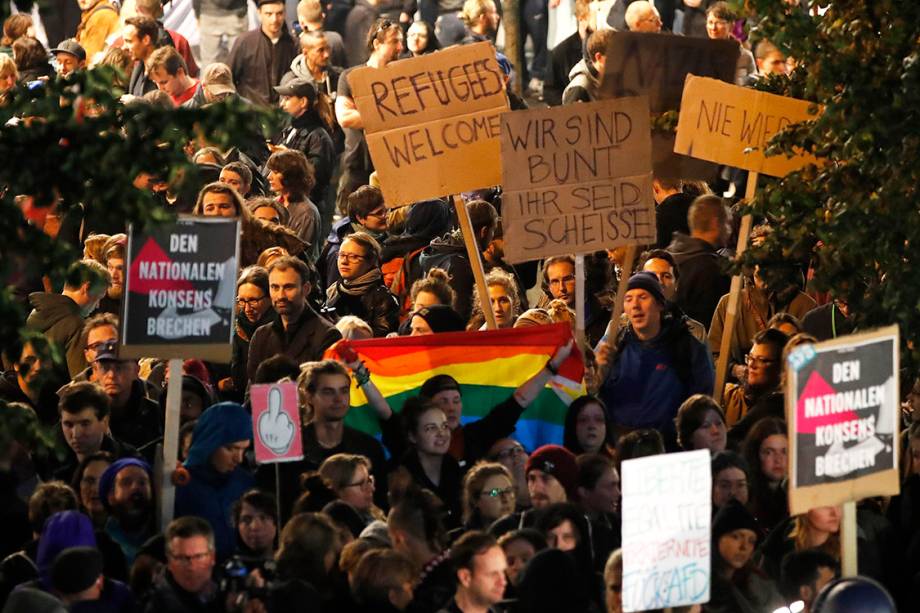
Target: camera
235,577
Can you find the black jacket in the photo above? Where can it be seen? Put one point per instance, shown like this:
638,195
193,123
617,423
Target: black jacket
166,595
671,217
240,358
448,487
305,340
65,469
258,65
308,135
139,83
449,254
377,306
702,282
139,422
47,406
562,59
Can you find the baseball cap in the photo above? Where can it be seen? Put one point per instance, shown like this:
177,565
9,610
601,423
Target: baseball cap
217,79
301,88
72,47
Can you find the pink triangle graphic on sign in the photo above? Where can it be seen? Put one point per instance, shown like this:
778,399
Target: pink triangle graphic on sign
152,252
816,386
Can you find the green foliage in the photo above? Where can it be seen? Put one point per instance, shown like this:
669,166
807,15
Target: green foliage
71,141
856,215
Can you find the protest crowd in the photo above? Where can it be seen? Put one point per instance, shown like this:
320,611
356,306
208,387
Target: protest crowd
442,506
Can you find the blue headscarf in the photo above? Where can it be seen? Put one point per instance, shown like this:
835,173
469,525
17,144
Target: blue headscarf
221,424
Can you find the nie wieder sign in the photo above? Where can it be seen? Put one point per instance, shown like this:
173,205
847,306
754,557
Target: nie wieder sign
180,290
843,407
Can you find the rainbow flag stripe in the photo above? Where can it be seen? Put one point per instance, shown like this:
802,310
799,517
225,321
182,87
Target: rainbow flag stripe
489,366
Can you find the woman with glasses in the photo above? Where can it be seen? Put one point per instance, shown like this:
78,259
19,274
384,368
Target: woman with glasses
720,22
350,479
488,494
764,368
253,309
512,455
426,459
360,291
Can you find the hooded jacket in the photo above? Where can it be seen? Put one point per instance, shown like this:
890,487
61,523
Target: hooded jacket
702,282
375,305
59,318
210,494
583,84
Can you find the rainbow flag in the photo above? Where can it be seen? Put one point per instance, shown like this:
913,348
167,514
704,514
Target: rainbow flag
488,365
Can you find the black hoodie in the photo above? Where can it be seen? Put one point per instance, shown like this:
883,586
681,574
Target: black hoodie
702,282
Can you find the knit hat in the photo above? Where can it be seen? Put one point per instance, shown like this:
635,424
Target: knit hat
63,530
220,424
436,384
733,516
76,569
533,317
556,461
649,282
107,480
441,318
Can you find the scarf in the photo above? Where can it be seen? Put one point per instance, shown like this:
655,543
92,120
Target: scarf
357,287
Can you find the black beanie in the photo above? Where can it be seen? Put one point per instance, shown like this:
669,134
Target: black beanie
436,384
441,318
76,569
649,282
733,516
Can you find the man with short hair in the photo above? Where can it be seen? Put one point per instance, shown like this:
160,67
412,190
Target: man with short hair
113,257
77,576
84,427
135,419
585,77
481,18
315,64
701,265
168,70
656,365
140,35
804,573
127,494
188,584
238,176
642,16
449,254
260,57
480,566
770,60
326,389
60,317
559,283
98,21
366,213
311,14
672,206
384,43
99,330
299,332
154,10
70,56
662,265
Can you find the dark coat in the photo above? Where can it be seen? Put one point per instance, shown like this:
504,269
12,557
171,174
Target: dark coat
562,59
139,422
702,282
327,264
377,306
166,595
308,135
305,340
258,65
240,358
60,320
671,217
139,83
449,254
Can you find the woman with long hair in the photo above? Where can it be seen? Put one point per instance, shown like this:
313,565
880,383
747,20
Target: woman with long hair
587,427
488,495
292,178
765,449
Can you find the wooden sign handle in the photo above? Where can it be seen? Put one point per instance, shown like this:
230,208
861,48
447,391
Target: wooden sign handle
475,257
734,296
580,300
629,260
170,443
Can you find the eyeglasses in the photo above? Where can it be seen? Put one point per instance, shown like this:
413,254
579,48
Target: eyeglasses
250,303
351,257
95,347
188,560
378,214
510,452
756,359
495,492
363,482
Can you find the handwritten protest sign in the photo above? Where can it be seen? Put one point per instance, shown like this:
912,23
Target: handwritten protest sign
276,423
432,123
666,530
732,125
842,401
576,178
180,290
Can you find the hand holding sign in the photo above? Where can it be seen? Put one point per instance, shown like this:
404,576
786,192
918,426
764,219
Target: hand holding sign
276,423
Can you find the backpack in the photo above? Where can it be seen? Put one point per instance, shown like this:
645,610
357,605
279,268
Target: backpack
398,276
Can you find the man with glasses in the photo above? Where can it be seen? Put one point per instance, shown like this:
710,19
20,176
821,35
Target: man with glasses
366,213
187,584
642,16
720,20
559,283
298,333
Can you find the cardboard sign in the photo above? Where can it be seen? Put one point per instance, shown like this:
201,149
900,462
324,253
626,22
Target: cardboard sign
656,65
577,179
276,423
733,125
843,407
180,290
667,507
432,123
